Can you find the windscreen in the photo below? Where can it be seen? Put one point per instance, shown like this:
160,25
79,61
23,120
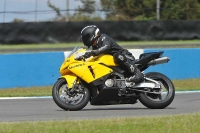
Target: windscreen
73,51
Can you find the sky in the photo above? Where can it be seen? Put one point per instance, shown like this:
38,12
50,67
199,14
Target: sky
30,5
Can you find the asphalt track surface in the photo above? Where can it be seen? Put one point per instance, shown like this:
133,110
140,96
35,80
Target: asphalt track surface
44,109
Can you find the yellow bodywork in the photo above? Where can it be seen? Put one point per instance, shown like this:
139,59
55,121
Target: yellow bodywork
70,79
89,70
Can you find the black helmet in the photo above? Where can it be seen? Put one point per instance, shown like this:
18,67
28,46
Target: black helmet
89,34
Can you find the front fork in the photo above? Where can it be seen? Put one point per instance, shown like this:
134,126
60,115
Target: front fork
71,80
73,83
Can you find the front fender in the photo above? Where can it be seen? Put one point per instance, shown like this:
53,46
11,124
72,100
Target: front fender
70,79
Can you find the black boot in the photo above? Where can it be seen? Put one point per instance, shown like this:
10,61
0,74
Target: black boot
137,77
128,65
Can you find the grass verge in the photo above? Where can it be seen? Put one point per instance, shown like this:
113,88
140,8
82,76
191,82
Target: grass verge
185,123
28,92
122,43
187,84
180,85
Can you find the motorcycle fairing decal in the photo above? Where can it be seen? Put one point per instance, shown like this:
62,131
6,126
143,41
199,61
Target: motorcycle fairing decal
70,80
76,65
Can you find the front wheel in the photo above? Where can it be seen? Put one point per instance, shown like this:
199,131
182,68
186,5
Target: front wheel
67,99
159,101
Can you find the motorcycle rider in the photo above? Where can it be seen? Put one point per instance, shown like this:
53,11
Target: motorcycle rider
103,44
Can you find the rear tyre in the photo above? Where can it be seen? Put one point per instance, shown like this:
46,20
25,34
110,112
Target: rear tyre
68,100
159,101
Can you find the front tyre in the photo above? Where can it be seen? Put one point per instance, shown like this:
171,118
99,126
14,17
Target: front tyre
159,101
67,99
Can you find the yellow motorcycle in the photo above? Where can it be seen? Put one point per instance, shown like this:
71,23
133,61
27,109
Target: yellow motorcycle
101,81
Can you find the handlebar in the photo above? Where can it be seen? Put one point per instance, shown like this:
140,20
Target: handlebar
81,58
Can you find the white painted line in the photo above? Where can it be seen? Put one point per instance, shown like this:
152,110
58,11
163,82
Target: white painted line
181,92
5,98
42,97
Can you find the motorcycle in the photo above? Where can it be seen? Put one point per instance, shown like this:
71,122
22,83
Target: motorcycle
100,81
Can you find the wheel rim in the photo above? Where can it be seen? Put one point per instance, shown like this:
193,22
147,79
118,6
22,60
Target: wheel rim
165,91
68,97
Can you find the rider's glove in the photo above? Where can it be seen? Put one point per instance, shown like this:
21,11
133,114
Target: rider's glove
80,58
94,52
87,55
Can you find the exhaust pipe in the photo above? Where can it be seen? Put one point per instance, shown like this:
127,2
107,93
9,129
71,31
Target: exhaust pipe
159,61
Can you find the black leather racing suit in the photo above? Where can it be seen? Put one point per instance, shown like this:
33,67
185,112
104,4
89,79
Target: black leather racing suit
106,45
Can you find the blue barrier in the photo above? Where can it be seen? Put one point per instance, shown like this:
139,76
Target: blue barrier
35,69
184,63
42,69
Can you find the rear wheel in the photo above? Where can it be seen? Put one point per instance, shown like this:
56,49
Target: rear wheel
159,101
70,99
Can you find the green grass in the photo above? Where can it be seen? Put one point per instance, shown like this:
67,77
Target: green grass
72,44
27,48
185,123
39,46
187,84
180,85
29,91
165,42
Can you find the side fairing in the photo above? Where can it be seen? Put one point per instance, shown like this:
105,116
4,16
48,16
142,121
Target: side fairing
70,60
108,60
63,69
89,71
